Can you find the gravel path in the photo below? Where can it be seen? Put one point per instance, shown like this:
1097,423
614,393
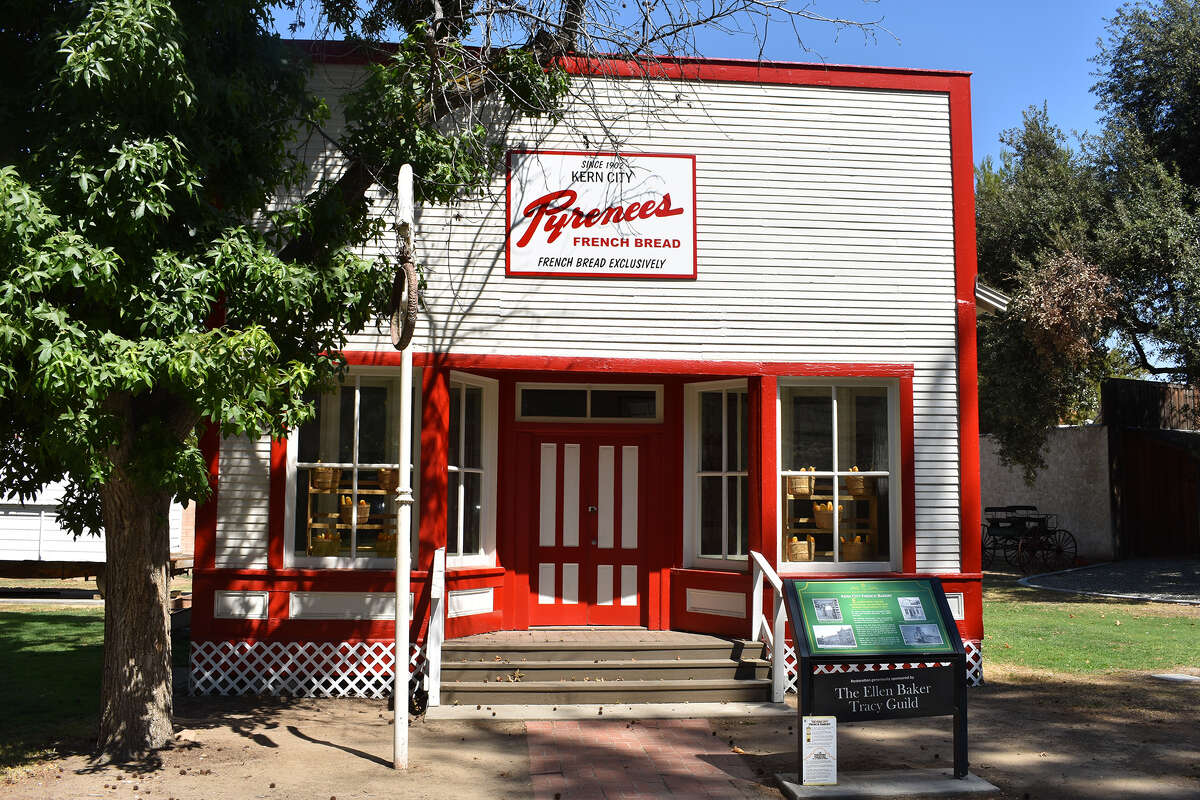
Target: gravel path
1159,579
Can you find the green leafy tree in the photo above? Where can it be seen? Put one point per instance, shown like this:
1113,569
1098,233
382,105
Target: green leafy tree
1099,247
167,262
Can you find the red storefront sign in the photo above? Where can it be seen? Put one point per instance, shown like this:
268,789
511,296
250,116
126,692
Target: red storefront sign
601,215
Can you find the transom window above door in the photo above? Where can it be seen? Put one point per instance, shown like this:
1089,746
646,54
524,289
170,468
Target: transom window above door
555,402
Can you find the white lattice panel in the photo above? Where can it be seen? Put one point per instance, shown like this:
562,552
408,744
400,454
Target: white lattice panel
973,648
301,669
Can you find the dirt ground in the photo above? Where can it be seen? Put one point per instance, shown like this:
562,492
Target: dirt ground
1034,735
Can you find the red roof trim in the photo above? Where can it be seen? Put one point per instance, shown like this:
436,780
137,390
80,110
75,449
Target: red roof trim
699,69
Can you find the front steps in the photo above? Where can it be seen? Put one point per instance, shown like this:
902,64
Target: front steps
600,666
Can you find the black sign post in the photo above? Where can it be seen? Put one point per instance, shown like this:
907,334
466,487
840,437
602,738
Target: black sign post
882,620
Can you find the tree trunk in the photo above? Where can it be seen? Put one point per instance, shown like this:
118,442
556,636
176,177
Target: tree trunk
135,698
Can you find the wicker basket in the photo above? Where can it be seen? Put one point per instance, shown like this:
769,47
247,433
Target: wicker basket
856,485
799,485
321,546
856,551
385,548
324,479
800,550
364,513
823,518
389,479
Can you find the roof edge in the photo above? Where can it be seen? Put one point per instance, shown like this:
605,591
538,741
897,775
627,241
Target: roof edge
696,68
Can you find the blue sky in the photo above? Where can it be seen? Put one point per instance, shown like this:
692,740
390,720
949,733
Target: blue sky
1020,52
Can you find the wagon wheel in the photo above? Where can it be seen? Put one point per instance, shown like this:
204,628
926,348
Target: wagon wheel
992,546
1058,549
1010,546
1028,555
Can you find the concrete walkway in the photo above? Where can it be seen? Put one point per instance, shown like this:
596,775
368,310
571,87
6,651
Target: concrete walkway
1156,579
634,760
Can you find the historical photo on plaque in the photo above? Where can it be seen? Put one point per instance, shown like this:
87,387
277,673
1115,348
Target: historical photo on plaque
828,610
911,608
921,634
835,635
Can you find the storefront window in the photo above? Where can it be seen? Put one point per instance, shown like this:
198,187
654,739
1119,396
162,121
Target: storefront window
836,473
348,473
722,474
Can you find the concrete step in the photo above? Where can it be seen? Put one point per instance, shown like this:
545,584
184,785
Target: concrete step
466,650
606,692
627,670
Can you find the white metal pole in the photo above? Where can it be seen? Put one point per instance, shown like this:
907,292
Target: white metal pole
404,219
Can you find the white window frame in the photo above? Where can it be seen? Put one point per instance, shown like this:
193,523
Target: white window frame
489,429
895,489
290,557
657,388
692,475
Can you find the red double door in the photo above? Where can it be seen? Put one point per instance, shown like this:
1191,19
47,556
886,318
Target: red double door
590,509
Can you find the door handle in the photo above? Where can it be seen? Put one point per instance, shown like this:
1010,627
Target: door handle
592,509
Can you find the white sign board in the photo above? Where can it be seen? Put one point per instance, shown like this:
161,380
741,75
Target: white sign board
601,215
818,751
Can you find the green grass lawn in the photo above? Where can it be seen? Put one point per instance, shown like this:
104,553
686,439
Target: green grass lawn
51,659
1068,633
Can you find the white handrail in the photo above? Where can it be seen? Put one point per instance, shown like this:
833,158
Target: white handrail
437,626
774,635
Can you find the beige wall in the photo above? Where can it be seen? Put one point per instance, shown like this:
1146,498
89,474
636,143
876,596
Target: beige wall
1074,485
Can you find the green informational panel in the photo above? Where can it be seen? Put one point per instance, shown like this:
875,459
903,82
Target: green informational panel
866,617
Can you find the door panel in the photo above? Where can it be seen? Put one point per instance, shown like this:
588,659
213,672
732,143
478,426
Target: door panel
591,500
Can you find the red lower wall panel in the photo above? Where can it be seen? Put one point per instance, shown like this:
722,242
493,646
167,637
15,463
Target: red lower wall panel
684,620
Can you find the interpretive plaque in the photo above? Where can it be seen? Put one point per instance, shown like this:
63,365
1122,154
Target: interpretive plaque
878,649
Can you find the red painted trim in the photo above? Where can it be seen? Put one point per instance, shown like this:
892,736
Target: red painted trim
963,176
700,369
206,512
511,551
908,479
435,460
676,68
277,507
508,215
764,468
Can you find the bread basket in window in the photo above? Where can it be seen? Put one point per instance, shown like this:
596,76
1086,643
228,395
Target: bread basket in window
347,511
324,479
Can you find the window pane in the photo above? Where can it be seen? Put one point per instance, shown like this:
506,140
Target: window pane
732,420
472,512
373,426
570,403
346,424
808,518
863,429
310,433
624,403
710,516
807,428
455,424
473,422
738,515
865,532
452,515
710,432
744,460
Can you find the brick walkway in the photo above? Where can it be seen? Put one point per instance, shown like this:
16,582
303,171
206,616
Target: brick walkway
634,760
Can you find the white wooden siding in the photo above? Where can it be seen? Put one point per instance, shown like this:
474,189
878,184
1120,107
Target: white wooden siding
824,233
243,502
30,532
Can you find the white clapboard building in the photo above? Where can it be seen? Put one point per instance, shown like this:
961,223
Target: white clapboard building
690,320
